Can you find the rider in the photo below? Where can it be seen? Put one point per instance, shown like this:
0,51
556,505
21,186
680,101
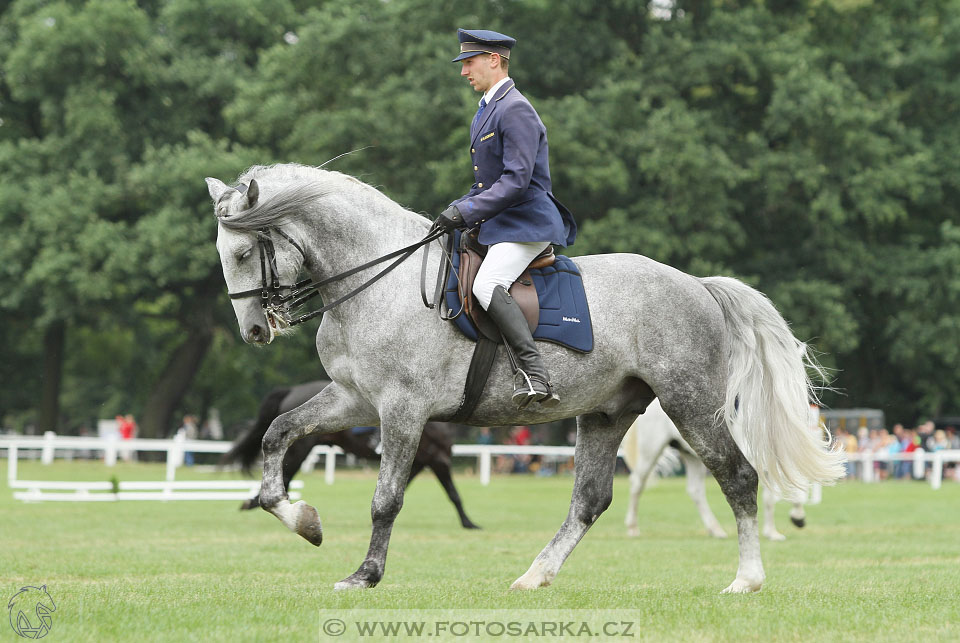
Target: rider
511,200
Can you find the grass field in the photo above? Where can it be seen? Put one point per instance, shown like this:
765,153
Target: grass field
878,562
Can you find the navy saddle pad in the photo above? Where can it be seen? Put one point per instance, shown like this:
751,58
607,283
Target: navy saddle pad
564,314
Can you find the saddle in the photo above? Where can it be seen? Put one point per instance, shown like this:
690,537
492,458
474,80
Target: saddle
557,312
472,254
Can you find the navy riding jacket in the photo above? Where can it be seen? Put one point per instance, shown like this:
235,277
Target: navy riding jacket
512,198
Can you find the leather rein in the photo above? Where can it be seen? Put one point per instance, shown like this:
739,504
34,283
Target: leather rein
280,304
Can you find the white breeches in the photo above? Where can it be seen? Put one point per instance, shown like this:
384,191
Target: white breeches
502,265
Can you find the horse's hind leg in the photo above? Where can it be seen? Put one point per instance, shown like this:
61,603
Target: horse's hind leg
594,461
711,440
332,409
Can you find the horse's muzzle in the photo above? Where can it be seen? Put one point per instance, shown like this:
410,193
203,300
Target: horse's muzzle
258,334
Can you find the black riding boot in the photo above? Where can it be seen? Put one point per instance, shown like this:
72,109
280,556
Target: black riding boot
531,381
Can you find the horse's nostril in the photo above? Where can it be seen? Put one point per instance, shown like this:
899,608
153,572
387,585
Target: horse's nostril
256,331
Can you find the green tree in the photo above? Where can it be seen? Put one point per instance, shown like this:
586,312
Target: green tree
104,163
806,147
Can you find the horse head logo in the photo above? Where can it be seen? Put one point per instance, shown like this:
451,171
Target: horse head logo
30,612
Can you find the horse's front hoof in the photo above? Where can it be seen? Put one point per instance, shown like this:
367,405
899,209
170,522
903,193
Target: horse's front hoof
308,524
800,523
537,576
529,583
300,518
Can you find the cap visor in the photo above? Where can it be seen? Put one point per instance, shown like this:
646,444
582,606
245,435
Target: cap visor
467,54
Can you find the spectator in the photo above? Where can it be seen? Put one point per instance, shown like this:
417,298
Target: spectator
953,438
849,443
212,428
894,446
864,443
485,436
520,436
953,442
908,444
869,445
189,431
127,428
939,441
886,445
925,435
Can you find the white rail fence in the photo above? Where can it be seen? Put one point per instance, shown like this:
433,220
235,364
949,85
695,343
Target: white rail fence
919,459
104,491
172,489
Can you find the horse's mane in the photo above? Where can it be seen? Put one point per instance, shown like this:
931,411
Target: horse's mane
291,189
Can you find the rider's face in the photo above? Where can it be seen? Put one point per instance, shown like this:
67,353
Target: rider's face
481,70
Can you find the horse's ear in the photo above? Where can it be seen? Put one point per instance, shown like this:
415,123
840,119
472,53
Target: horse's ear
216,188
253,193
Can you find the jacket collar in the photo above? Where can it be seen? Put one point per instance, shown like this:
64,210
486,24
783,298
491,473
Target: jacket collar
497,92
489,109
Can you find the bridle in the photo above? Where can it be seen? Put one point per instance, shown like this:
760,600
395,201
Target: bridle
281,302
272,299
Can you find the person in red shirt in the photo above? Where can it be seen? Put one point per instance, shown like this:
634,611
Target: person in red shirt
125,427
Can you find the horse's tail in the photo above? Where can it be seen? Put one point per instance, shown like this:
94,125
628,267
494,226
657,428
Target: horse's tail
247,447
768,396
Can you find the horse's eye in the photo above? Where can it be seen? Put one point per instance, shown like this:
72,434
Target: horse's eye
221,210
246,254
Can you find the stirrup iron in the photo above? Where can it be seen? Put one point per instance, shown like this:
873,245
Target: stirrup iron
524,392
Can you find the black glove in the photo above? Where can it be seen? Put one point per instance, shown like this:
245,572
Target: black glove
451,219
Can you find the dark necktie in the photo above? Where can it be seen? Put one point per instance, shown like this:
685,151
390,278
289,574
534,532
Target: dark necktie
476,119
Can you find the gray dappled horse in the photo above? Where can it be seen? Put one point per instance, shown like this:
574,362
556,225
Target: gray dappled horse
717,354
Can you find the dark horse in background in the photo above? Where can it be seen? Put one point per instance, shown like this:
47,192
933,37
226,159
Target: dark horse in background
435,449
